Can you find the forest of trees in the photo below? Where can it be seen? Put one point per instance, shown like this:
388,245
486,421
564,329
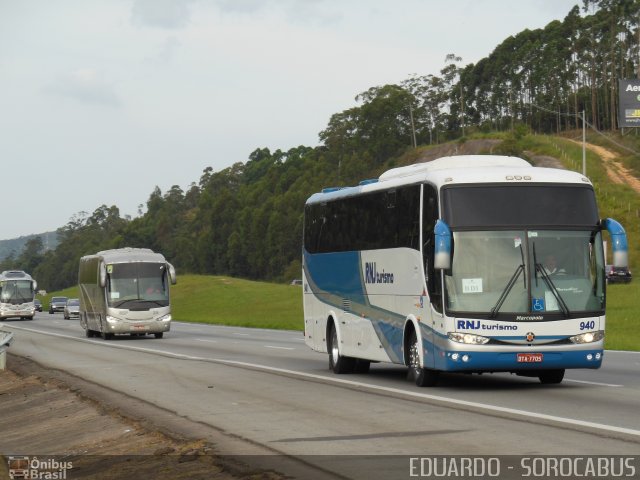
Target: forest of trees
246,220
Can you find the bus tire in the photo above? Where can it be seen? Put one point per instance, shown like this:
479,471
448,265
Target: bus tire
88,333
159,335
337,362
551,377
362,366
423,377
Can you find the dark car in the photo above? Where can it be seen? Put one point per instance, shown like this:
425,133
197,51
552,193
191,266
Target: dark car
38,304
618,274
57,304
72,308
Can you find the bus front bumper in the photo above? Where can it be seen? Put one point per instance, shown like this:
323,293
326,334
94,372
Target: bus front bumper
518,359
118,326
10,313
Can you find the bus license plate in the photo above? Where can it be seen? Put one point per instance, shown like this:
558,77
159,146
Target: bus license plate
140,327
529,357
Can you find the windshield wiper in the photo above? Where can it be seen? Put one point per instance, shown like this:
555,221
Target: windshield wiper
505,292
554,290
155,301
122,302
549,282
138,300
510,284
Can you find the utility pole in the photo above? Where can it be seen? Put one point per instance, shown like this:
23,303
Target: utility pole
584,146
461,104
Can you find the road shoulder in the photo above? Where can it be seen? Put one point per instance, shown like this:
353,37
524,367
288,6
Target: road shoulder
103,433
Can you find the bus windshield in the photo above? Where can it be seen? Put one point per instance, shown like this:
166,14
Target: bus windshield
137,285
526,272
16,292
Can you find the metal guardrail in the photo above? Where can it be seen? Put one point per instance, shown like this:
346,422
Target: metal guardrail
5,341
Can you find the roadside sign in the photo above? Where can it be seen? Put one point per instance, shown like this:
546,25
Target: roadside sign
629,102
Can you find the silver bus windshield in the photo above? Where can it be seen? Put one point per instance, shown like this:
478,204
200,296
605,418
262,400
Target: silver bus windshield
526,272
137,285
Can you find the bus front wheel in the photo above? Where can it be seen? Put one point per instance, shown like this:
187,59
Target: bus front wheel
423,377
550,377
106,335
337,362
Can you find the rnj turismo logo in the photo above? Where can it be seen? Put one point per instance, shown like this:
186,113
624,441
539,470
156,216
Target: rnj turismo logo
371,274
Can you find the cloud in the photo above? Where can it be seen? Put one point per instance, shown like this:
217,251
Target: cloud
169,14
85,85
296,11
241,6
165,52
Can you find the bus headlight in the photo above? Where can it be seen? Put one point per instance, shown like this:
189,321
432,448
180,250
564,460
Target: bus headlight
165,318
588,337
111,319
468,338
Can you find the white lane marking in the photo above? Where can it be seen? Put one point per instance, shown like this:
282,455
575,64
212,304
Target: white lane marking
279,348
241,334
340,381
205,340
593,383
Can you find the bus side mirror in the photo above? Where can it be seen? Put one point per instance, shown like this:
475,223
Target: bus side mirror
35,286
618,242
442,254
172,274
102,275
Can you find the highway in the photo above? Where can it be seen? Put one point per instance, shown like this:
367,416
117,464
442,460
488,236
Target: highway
269,389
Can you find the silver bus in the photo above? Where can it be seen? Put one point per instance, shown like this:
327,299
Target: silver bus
125,291
17,291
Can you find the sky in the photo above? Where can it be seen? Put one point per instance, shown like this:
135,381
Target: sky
103,100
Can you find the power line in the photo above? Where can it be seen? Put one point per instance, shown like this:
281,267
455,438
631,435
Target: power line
590,126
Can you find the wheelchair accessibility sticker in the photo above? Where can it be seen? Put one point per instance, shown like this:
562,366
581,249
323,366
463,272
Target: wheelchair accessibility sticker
537,305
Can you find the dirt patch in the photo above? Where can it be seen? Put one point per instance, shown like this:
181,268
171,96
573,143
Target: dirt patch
481,147
47,418
616,171
544,161
470,147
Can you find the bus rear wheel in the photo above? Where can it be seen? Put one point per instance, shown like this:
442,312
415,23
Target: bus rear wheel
337,362
423,377
551,377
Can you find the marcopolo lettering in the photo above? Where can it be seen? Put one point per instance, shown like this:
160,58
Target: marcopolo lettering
373,276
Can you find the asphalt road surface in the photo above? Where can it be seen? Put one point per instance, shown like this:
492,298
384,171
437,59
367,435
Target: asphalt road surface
268,388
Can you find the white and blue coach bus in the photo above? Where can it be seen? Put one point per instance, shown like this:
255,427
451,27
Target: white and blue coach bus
462,264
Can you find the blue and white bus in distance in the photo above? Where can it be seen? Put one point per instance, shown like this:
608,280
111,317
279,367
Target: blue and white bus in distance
468,264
